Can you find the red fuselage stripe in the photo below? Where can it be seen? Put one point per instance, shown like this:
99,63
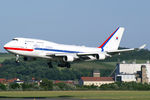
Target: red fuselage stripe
21,49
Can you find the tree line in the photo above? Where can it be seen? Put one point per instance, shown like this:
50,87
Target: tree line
45,85
48,85
40,70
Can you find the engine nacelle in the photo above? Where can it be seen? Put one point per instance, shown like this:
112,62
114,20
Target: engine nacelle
68,58
100,56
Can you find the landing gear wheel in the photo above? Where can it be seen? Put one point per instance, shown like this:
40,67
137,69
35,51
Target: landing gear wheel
50,65
17,58
25,59
17,61
68,65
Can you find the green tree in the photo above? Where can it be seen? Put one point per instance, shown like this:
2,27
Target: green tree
2,86
46,84
29,86
14,86
65,86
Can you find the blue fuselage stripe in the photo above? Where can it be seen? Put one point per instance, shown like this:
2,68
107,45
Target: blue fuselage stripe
56,50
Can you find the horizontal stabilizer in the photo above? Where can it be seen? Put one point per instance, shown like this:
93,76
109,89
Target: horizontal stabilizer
142,47
126,50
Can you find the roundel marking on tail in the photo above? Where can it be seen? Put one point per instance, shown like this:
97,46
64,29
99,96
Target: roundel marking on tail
116,38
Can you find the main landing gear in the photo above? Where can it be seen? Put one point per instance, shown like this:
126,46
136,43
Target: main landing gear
17,58
50,65
66,64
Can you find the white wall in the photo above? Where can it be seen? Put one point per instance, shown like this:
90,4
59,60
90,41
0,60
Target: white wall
128,78
96,83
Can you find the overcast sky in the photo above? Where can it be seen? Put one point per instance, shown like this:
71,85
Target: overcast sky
79,22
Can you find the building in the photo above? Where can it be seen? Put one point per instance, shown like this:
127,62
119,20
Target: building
126,77
11,80
133,72
68,82
2,80
144,77
96,81
7,81
96,73
19,81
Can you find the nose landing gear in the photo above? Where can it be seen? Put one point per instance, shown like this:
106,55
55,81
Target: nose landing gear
17,58
50,65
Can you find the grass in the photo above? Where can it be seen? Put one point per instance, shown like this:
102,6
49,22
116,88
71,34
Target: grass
137,61
94,65
4,56
115,95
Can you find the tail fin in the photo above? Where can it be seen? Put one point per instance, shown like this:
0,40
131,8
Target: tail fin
112,43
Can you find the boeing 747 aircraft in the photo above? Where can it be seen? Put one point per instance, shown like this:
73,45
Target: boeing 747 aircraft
64,54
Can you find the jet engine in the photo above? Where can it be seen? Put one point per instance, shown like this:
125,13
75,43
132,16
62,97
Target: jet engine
68,58
100,56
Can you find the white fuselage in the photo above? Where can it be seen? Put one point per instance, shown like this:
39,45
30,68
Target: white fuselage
66,53
41,48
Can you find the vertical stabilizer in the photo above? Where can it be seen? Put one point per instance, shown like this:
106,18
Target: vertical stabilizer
113,42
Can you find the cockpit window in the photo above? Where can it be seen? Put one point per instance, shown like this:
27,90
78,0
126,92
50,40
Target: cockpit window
15,39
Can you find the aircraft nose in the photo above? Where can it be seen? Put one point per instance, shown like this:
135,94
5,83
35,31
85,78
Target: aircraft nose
6,45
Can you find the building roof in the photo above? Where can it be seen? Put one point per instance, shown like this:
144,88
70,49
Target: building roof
97,78
2,79
58,81
11,80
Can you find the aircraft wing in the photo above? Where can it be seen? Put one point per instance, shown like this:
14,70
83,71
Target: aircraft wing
95,53
76,54
58,54
126,50
90,55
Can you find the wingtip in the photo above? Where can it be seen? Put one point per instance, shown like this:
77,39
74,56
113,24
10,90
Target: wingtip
142,47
